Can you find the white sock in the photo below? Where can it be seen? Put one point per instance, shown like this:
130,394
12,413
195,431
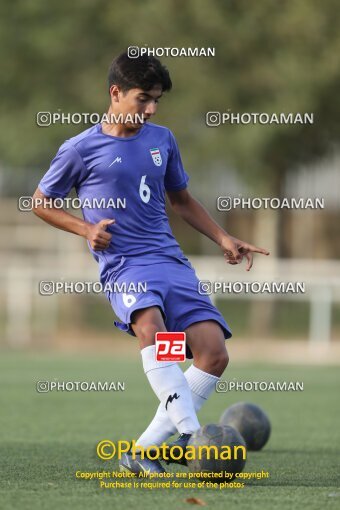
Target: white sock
171,387
161,428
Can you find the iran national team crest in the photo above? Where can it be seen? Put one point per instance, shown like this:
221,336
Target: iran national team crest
156,156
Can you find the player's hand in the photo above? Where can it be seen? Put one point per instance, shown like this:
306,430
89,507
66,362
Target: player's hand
234,251
97,236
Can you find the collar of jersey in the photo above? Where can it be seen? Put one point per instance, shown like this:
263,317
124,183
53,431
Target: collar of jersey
121,138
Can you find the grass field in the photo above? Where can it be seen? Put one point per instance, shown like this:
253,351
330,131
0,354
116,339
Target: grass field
46,438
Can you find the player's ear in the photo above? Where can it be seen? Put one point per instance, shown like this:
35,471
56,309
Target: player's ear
114,93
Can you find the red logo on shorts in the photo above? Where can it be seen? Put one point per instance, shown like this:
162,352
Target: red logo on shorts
170,346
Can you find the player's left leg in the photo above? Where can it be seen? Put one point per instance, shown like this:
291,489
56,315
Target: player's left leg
207,344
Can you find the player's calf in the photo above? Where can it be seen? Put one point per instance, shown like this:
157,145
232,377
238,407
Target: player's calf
207,344
214,363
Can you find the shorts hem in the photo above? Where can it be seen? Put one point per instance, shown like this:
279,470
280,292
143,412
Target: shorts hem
185,323
189,321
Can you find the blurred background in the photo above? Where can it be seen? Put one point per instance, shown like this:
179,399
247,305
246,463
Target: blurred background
270,57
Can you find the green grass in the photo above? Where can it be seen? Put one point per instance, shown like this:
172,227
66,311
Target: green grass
45,438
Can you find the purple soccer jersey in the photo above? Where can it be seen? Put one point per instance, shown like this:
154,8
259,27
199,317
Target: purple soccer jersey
133,172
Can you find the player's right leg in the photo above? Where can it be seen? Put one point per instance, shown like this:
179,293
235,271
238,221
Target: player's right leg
167,381
165,377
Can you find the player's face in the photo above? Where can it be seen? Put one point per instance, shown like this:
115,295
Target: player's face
141,103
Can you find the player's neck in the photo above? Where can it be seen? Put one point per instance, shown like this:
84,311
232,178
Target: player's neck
121,130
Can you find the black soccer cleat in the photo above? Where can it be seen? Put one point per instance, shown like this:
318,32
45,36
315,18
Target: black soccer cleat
139,465
182,442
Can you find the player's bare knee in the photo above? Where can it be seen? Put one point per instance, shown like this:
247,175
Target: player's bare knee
145,323
146,333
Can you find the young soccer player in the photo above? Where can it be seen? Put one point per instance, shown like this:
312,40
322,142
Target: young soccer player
140,162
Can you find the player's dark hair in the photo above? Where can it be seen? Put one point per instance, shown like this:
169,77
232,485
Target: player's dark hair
144,72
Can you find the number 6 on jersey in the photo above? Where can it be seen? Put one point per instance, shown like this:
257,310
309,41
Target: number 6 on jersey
144,190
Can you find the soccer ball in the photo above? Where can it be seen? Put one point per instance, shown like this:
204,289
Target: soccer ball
219,436
250,421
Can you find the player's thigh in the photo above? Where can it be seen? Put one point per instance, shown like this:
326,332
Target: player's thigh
145,323
206,340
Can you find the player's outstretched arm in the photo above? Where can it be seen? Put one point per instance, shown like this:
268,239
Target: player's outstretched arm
96,234
198,217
